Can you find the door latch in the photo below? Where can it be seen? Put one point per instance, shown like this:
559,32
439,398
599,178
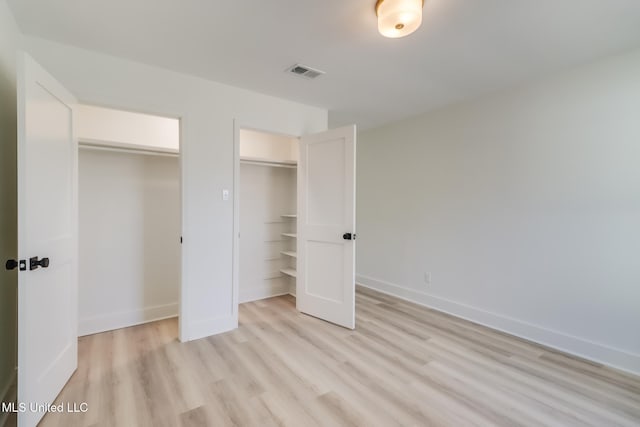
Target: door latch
349,236
34,263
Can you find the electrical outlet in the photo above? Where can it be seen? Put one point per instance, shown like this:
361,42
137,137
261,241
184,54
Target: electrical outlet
427,277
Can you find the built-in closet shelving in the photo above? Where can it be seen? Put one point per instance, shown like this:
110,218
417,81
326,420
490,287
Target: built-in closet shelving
290,254
274,243
289,272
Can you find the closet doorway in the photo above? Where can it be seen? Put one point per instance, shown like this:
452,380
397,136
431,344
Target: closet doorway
129,201
294,220
267,218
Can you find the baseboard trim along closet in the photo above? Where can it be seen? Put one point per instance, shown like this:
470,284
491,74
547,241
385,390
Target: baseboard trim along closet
109,322
249,295
577,346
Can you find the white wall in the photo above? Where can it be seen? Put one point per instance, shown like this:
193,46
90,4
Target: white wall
9,41
106,125
524,206
266,193
208,111
129,239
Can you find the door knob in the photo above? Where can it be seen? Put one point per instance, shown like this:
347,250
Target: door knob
12,264
349,236
34,263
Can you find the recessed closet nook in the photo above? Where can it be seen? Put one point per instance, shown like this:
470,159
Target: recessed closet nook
129,218
267,215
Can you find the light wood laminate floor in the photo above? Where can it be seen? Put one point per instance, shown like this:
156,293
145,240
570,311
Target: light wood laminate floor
403,365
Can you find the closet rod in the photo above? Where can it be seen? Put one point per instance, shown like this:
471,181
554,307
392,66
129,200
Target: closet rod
124,149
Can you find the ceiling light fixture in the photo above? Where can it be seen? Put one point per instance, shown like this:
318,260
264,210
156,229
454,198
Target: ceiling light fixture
399,18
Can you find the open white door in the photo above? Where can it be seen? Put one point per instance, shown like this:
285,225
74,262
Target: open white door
325,286
47,229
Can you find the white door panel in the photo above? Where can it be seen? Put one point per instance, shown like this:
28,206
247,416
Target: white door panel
326,211
324,275
47,227
326,177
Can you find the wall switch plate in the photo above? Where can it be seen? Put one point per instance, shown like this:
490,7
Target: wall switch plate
225,194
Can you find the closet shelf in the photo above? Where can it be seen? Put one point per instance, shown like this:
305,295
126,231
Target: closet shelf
290,253
294,235
268,162
289,216
102,145
289,272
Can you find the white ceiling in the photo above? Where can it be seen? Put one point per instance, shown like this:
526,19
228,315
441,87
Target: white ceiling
464,48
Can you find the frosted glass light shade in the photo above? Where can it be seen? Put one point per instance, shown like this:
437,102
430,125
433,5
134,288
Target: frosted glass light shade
398,18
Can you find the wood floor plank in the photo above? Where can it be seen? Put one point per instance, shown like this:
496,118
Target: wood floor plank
567,405
195,417
403,365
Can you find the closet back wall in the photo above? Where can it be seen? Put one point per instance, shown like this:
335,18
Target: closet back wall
129,239
266,193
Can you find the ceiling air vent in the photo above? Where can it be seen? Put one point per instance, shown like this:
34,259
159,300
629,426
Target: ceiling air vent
304,71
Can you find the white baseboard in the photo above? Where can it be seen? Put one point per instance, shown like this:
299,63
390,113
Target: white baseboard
8,394
580,347
111,321
255,294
